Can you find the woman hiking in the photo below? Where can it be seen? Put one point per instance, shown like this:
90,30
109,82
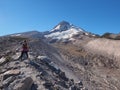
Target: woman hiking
24,50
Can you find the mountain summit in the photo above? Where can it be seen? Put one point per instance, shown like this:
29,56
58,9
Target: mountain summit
62,26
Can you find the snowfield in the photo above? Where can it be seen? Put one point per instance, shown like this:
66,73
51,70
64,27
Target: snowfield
64,34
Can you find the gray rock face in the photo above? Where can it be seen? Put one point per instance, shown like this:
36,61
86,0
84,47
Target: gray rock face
25,84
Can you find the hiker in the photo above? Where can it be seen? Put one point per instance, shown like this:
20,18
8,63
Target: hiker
24,50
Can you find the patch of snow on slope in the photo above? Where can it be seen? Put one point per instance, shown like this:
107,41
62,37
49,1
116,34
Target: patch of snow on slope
58,27
16,35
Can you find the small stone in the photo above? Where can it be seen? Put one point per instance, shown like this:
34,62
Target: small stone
2,60
48,84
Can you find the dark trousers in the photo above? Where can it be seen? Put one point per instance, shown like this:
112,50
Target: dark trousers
24,53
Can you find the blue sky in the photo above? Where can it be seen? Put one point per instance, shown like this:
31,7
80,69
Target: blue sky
96,16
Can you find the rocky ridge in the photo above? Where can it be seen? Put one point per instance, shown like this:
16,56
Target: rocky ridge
39,72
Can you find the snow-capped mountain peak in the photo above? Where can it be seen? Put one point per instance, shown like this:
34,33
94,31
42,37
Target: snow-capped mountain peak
65,30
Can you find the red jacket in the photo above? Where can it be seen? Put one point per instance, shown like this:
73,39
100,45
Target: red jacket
25,47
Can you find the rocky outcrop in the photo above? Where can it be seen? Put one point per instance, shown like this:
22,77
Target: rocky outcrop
14,79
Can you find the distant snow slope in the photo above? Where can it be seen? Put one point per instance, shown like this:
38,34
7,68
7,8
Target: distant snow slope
16,35
34,34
